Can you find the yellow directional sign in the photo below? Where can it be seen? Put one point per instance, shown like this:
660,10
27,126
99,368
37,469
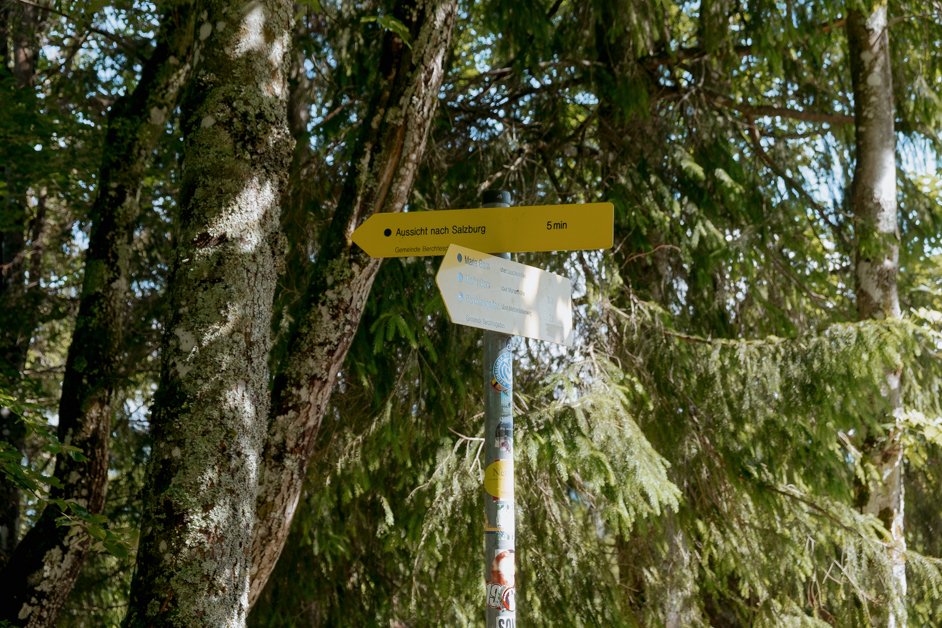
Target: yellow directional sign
489,230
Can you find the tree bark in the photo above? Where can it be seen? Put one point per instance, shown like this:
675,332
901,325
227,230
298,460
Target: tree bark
387,157
211,408
23,27
46,563
679,604
874,205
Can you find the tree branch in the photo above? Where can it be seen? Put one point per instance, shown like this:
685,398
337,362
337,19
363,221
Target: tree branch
388,155
136,50
761,111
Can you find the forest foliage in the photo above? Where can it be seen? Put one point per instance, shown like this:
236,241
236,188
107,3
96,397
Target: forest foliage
696,458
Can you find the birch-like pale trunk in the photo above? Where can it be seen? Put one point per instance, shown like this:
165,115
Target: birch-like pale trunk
388,154
46,563
211,408
874,206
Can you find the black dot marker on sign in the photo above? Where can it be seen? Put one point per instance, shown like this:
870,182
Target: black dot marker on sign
387,232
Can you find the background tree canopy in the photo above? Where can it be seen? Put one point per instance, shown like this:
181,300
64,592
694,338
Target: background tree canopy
216,410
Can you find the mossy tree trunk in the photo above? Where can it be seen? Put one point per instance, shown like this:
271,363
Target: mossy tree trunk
211,408
874,206
387,157
46,563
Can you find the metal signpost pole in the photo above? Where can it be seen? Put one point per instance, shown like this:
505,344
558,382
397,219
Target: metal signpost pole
500,296
499,540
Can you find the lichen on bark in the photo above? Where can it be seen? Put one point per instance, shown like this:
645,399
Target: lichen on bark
211,409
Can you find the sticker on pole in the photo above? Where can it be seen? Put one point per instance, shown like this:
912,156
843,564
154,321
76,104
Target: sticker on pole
496,294
501,582
499,479
503,372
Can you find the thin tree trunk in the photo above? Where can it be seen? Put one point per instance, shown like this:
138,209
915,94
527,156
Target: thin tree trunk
675,595
680,567
23,26
877,262
387,156
211,407
47,561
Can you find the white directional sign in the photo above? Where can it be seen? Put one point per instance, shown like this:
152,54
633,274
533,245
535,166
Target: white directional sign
489,292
